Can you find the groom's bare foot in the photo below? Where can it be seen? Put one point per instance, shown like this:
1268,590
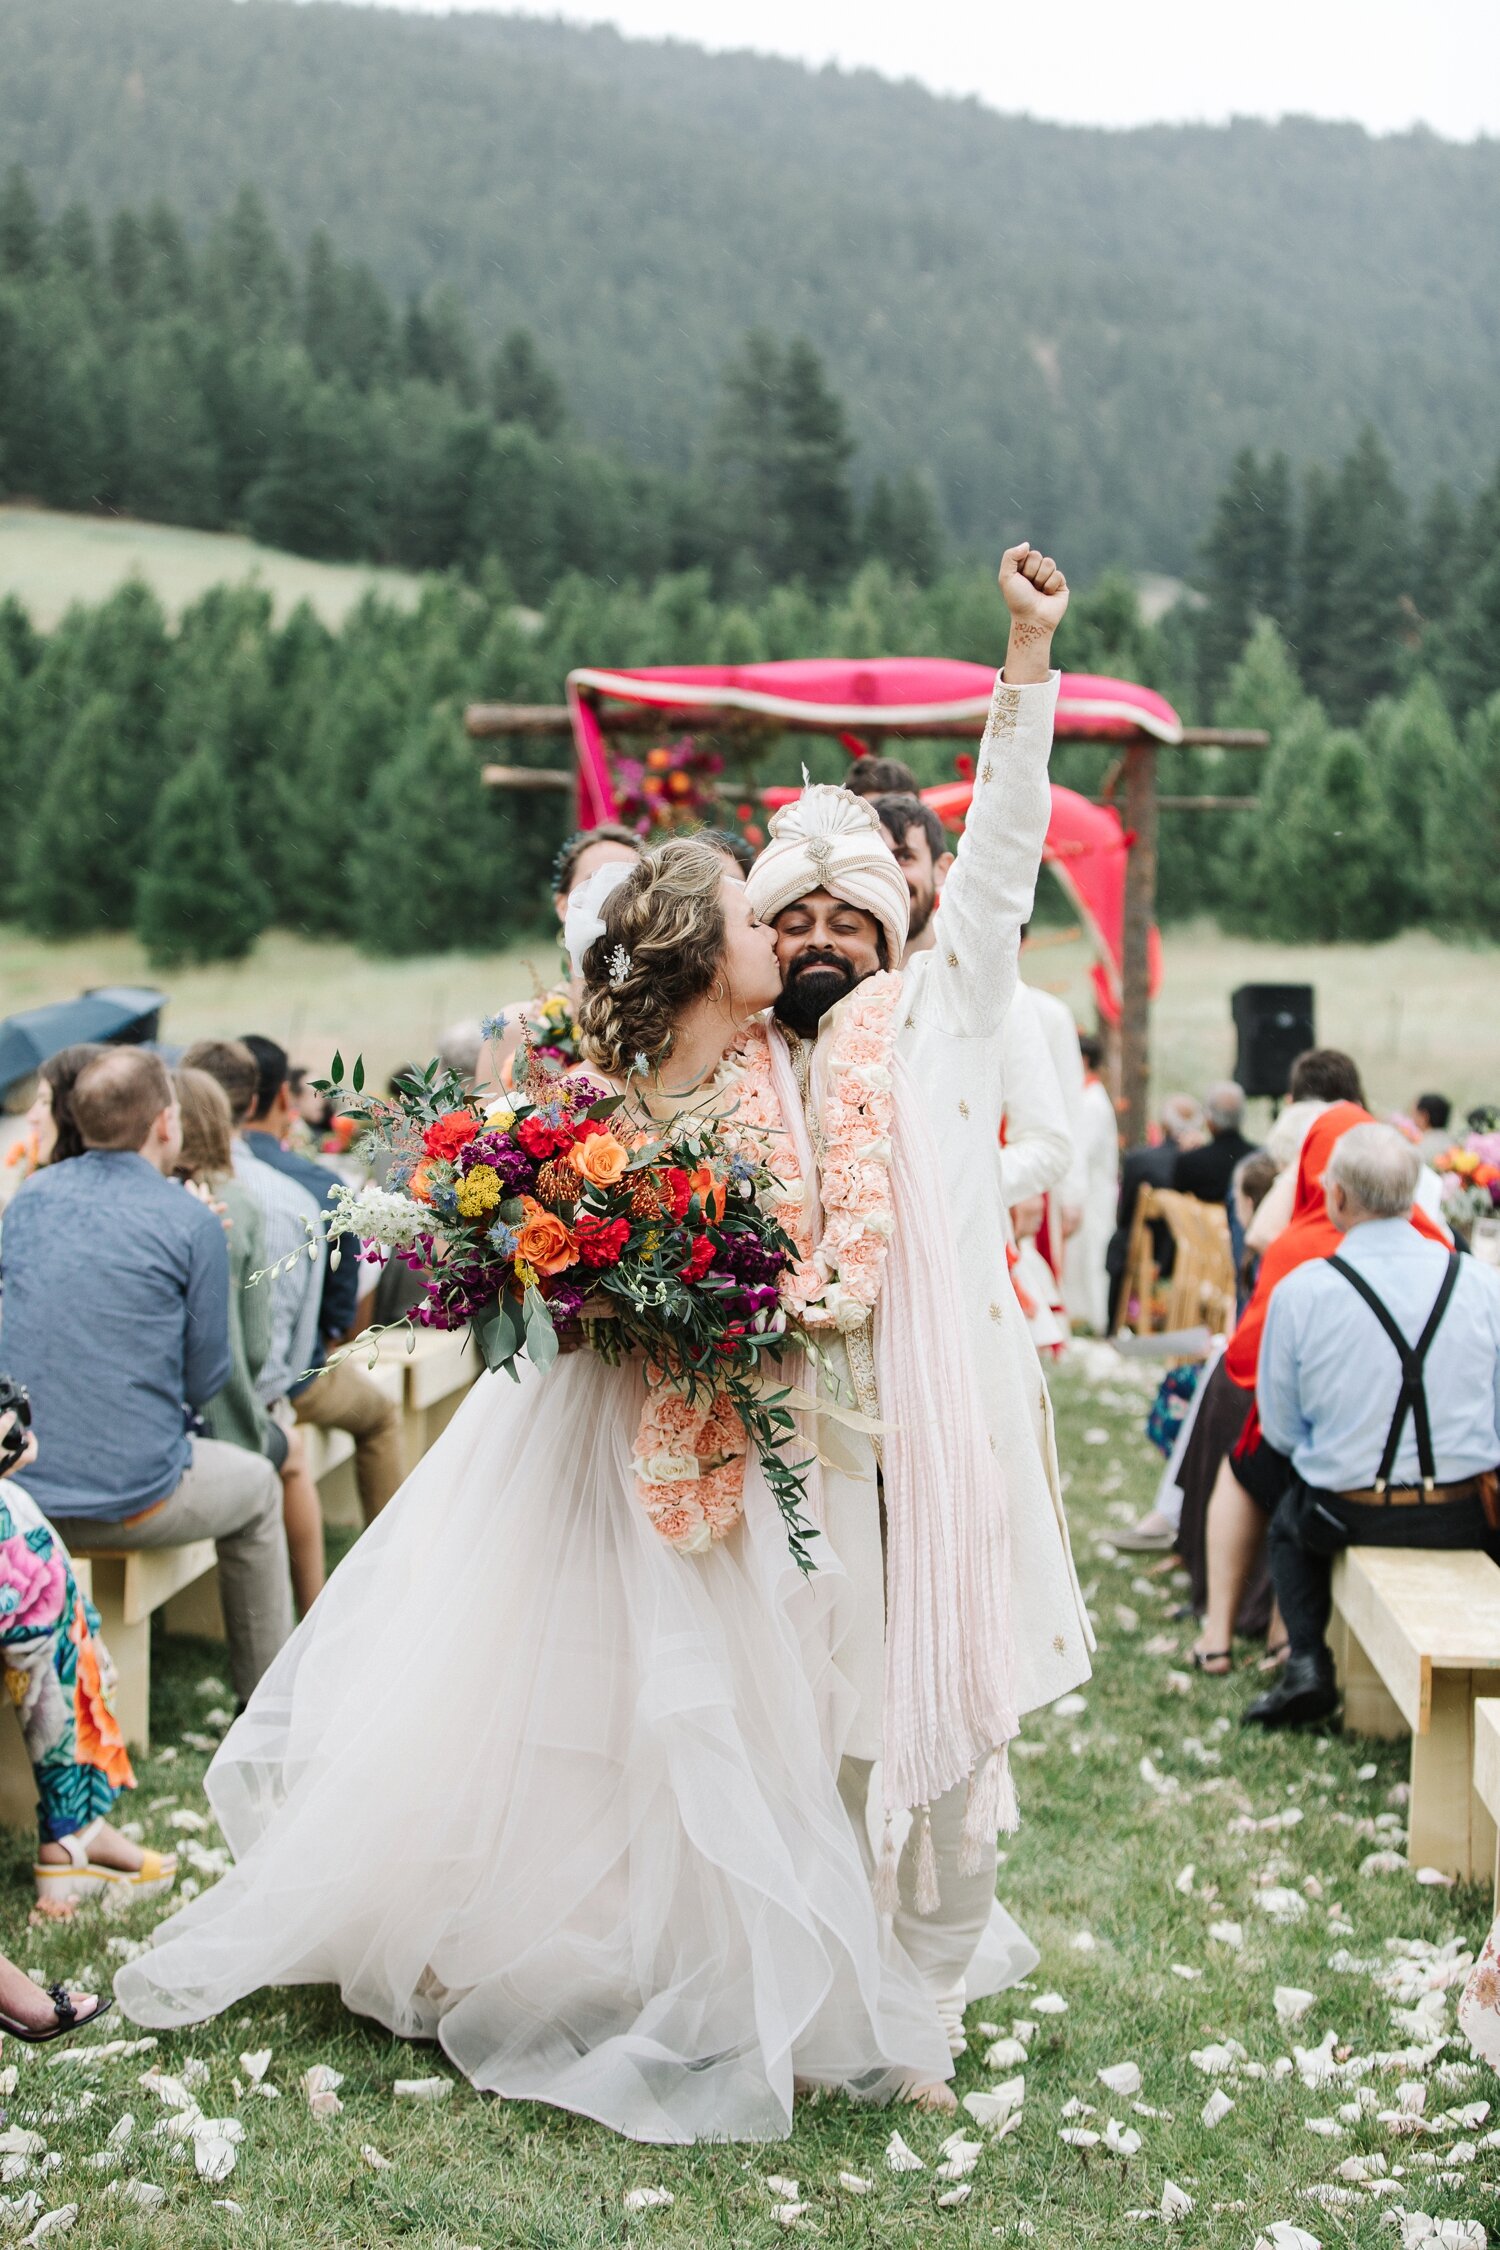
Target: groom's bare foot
939,2098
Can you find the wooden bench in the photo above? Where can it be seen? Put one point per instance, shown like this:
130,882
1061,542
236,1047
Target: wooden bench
1416,1638
1487,1773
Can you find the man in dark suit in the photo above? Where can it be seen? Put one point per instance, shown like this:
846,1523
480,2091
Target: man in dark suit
1153,1166
1206,1172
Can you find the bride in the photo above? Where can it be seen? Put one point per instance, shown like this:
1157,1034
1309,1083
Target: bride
530,1783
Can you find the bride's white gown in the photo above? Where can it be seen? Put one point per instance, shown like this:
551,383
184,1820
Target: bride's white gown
531,1784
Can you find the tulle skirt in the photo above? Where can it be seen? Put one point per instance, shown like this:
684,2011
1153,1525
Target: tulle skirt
531,1784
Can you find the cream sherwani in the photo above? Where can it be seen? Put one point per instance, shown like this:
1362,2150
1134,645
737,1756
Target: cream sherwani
956,1000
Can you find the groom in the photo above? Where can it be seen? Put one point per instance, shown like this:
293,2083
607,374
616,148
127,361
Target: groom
839,903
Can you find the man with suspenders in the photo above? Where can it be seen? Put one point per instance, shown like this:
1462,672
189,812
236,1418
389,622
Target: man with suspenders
1380,1377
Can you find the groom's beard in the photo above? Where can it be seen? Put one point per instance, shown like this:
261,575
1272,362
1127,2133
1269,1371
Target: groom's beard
815,983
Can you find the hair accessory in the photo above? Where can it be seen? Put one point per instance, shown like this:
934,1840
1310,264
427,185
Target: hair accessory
584,919
619,965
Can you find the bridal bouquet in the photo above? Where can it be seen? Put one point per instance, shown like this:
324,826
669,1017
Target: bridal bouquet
545,1220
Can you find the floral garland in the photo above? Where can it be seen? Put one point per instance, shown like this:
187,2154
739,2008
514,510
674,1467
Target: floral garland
834,1283
690,1467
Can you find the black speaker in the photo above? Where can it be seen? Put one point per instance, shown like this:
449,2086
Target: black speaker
1274,1023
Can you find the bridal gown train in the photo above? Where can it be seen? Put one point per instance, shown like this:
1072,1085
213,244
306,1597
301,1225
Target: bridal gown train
528,1782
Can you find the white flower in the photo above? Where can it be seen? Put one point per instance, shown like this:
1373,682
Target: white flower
377,1214
667,1468
697,1541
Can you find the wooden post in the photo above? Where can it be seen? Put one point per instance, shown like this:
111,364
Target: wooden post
1140,910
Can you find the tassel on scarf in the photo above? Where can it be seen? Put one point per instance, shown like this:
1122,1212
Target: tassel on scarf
887,1875
927,1898
991,1809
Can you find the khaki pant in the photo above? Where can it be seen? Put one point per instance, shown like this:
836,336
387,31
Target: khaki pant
234,1498
344,1398
940,1945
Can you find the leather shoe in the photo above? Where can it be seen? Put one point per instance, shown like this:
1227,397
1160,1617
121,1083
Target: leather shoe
1305,1695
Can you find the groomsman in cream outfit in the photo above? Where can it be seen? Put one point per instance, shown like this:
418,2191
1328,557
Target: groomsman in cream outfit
829,883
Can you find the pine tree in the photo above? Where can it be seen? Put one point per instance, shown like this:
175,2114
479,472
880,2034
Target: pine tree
1466,646
199,900
169,466
1409,744
1463,830
1319,551
314,493
20,228
748,449
436,346
1441,540
246,278
72,244
523,387
433,863
78,866
817,505
902,527
169,283
1232,574
127,258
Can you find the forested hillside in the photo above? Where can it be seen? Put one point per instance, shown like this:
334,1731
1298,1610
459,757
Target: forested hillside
1069,330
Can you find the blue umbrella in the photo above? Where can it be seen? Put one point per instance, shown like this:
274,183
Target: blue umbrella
113,1014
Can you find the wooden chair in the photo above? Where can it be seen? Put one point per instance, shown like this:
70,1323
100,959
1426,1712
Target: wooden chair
1416,1638
1200,1289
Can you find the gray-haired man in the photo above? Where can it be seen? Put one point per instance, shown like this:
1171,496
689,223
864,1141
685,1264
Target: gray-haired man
1380,1376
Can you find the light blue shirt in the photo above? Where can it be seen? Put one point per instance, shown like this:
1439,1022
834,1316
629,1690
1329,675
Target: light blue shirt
1329,1375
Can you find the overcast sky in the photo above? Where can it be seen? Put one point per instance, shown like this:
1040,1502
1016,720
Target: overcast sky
1386,63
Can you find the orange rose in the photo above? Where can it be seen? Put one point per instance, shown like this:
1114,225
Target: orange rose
709,1189
601,1160
544,1243
416,1186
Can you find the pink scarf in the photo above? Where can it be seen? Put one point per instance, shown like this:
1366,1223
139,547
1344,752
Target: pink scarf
948,1706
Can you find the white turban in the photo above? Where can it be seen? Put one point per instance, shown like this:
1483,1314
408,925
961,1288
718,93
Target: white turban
832,841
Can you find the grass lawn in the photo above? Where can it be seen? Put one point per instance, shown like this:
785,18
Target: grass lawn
1143,1862
49,560
1415,1012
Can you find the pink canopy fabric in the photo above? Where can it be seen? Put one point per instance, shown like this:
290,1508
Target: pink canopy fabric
1086,845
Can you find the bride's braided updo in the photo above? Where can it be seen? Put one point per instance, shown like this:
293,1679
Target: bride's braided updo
667,915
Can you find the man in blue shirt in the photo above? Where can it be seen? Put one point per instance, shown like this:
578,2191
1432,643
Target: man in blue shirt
116,1318
1380,1376
341,1397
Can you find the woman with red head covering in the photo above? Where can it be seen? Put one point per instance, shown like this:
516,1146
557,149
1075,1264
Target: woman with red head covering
1254,1475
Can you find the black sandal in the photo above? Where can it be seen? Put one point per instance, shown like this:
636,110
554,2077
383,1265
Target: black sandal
1201,1658
68,2018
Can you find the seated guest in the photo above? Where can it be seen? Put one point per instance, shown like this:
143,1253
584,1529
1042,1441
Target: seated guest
1430,1114
61,1685
1380,1377
236,1413
880,777
341,1397
1319,1077
53,1133
1206,1172
290,1218
1152,1166
116,1315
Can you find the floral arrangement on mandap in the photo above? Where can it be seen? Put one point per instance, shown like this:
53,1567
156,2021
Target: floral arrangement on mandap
670,788
550,1220
1470,1172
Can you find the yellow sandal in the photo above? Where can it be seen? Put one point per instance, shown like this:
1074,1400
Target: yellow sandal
80,1877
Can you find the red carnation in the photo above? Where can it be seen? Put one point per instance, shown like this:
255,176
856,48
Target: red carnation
700,1258
447,1135
601,1242
679,1188
541,1140
586,1127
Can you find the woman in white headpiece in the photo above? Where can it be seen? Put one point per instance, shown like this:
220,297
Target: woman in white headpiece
532,1783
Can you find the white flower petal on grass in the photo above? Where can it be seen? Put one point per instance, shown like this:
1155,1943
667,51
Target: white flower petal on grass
1292,2004
320,2085
1078,2136
1188,1975
1005,2054
422,2089
1184,1882
960,2155
1179,1683
17,2140
1281,1904
1282,2235
1050,2004
374,2159
227,2203
1175,2202
1384,1863
1076,2108
1328,2128
1219,2058
51,2223
1433,1878
255,2066
1070,1706
1123,2078
143,2193
1231,1934
214,2157
785,2191
1126,1619
648,2199
954,2197
853,2184
1216,2108
900,2158
1122,2140
789,2213
1084,1942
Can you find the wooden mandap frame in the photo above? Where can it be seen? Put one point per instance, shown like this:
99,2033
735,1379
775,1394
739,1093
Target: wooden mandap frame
1106,864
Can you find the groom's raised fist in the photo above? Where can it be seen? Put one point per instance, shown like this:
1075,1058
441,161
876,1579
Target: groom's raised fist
1035,590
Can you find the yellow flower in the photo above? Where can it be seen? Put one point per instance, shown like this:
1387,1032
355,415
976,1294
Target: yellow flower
479,1191
499,1117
